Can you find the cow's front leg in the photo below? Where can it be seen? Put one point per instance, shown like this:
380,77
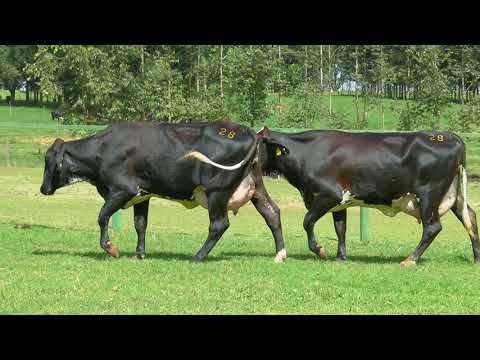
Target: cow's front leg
140,219
112,204
320,207
217,211
271,213
340,222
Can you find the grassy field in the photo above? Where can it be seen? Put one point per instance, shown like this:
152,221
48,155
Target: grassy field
55,264
57,267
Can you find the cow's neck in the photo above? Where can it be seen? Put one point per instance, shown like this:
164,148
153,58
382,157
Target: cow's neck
80,156
291,165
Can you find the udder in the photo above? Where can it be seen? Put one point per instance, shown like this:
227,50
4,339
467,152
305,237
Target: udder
240,197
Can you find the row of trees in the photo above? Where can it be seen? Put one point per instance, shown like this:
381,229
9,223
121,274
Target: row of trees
176,82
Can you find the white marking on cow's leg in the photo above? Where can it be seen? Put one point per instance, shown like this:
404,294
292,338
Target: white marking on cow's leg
281,256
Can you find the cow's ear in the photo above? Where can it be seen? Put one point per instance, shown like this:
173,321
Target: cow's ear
58,141
264,132
60,151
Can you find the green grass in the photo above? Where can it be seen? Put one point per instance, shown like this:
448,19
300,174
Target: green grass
57,266
345,104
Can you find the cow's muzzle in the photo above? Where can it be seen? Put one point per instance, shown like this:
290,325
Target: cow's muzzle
46,191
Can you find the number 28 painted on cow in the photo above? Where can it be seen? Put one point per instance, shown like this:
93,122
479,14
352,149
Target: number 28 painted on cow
230,135
436,137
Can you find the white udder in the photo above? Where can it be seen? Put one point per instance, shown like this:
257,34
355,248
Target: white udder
240,197
408,203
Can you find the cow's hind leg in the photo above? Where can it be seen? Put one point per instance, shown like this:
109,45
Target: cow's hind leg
217,211
471,228
431,228
319,208
140,219
271,213
112,204
340,222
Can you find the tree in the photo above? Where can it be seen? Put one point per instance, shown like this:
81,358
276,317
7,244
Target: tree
246,74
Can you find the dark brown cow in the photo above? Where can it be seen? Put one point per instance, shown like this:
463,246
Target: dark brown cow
419,173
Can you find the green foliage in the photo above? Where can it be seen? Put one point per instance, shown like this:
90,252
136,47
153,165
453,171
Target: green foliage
466,118
246,73
308,107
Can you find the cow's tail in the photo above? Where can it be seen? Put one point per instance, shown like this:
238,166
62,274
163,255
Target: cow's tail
199,156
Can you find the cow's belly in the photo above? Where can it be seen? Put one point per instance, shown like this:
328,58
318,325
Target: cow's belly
240,197
408,203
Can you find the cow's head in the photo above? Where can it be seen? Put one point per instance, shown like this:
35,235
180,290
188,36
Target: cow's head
273,150
53,175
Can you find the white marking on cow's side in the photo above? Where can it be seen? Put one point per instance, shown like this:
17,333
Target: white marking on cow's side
407,204
74,180
449,198
240,197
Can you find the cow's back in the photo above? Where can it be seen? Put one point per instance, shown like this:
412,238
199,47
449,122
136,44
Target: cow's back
152,153
379,166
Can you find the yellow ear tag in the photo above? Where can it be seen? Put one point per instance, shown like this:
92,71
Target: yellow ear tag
278,152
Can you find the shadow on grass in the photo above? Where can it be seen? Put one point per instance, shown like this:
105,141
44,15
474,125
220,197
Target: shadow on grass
312,257
102,256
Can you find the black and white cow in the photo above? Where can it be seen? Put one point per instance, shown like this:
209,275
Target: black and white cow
129,163
57,115
419,173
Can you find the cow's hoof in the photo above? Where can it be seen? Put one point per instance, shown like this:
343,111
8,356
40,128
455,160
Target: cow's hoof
407,263
197,259
281,256
138,257
113,251
341,258
322,253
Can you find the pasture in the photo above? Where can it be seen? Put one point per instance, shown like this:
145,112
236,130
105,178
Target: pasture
54,265
51,261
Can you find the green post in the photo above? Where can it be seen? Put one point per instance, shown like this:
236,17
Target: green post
363,224
117,220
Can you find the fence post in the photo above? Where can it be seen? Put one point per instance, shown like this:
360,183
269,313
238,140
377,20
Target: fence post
363,224
117,220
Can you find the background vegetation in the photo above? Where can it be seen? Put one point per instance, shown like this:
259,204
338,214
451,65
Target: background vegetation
424,86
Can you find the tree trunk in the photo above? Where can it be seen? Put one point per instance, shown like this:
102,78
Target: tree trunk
356,84
221,71
142,56
306,63
321,68
169,102
330,80
27,93
12,94
462,76
198,69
